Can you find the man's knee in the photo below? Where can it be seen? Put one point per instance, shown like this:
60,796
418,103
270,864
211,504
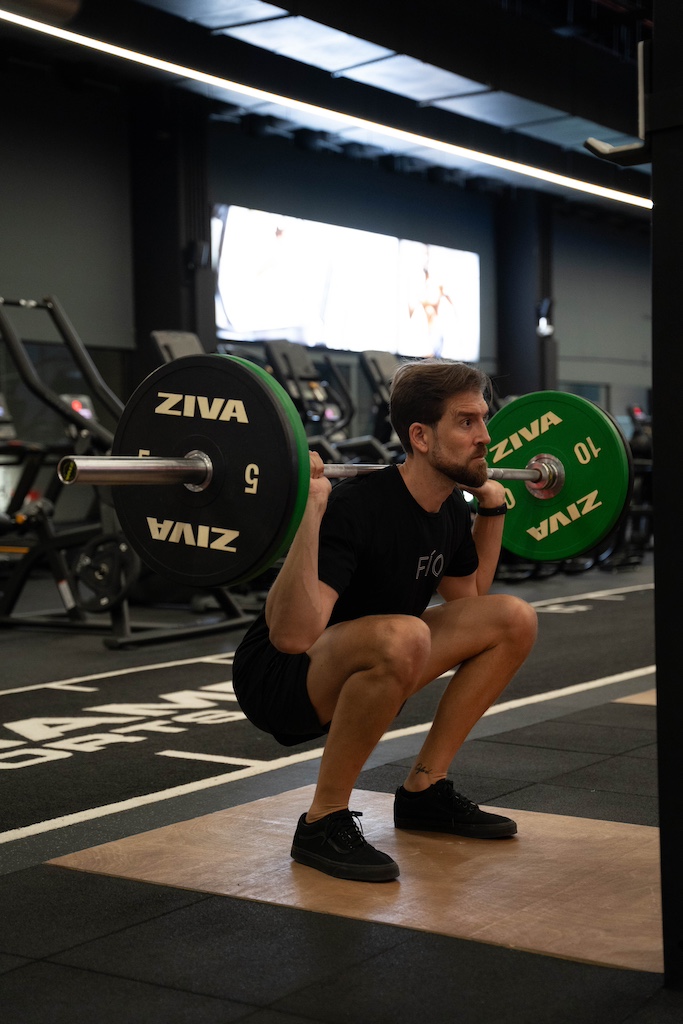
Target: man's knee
393,651
519,621
401,647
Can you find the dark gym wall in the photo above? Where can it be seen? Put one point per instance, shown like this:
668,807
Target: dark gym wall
602,306
69,218
65,202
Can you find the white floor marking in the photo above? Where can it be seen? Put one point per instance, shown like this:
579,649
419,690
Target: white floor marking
187,755
594,595
66,684
261,767
227,657
152,798
537,698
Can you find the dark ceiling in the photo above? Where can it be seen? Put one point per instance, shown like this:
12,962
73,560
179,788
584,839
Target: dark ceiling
526,80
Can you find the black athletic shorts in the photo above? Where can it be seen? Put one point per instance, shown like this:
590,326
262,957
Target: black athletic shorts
271,688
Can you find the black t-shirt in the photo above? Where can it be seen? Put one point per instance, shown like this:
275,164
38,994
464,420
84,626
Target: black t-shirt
383,553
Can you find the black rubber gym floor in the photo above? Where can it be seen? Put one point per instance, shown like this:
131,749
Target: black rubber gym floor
73,743
79,947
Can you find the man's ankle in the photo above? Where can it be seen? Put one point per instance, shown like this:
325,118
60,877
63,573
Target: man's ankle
419,781
316,813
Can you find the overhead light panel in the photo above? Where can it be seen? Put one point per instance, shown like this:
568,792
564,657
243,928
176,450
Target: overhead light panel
334,117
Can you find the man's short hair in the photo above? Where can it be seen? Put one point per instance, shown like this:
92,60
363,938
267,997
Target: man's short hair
420,390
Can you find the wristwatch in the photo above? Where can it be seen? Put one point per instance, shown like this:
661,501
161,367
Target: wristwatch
500,510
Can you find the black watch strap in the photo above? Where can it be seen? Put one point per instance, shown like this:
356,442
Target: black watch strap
500,510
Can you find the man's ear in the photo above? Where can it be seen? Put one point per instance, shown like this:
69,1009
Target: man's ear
419,439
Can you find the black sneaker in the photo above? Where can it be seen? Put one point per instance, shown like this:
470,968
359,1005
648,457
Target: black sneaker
335,844
441,809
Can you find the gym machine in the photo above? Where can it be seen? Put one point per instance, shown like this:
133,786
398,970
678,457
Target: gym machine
93,566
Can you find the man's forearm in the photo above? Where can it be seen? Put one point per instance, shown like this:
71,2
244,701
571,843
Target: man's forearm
488,534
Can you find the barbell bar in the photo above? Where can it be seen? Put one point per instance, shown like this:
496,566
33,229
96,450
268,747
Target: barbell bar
195,471
226,430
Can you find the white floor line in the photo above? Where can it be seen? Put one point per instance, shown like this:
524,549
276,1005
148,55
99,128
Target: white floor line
593,595
537,698
187,755
261,767
64,684
227,657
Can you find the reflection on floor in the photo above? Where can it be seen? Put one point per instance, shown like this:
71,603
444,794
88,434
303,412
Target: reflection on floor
649,697
569,887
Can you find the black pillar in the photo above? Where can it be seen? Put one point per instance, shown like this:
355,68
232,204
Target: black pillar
526,362
665,124
171,219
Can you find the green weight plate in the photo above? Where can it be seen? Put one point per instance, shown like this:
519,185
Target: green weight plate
240,417
597,466
302,479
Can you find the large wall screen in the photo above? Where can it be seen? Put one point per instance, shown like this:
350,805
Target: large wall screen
322,284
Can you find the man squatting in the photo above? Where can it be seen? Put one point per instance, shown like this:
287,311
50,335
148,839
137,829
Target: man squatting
349,630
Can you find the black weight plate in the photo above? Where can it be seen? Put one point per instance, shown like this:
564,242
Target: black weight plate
244,421
104,572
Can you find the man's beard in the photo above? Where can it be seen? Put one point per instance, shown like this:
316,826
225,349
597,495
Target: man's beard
471,474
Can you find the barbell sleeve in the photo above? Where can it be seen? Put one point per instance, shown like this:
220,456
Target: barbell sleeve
116,470
537,474
195,470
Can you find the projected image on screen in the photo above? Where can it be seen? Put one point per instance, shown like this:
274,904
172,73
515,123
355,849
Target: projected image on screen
321,284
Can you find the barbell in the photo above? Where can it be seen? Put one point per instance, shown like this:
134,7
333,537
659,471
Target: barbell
210,472
195,470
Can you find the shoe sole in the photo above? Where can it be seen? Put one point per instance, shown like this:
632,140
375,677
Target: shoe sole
350,872
500,830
